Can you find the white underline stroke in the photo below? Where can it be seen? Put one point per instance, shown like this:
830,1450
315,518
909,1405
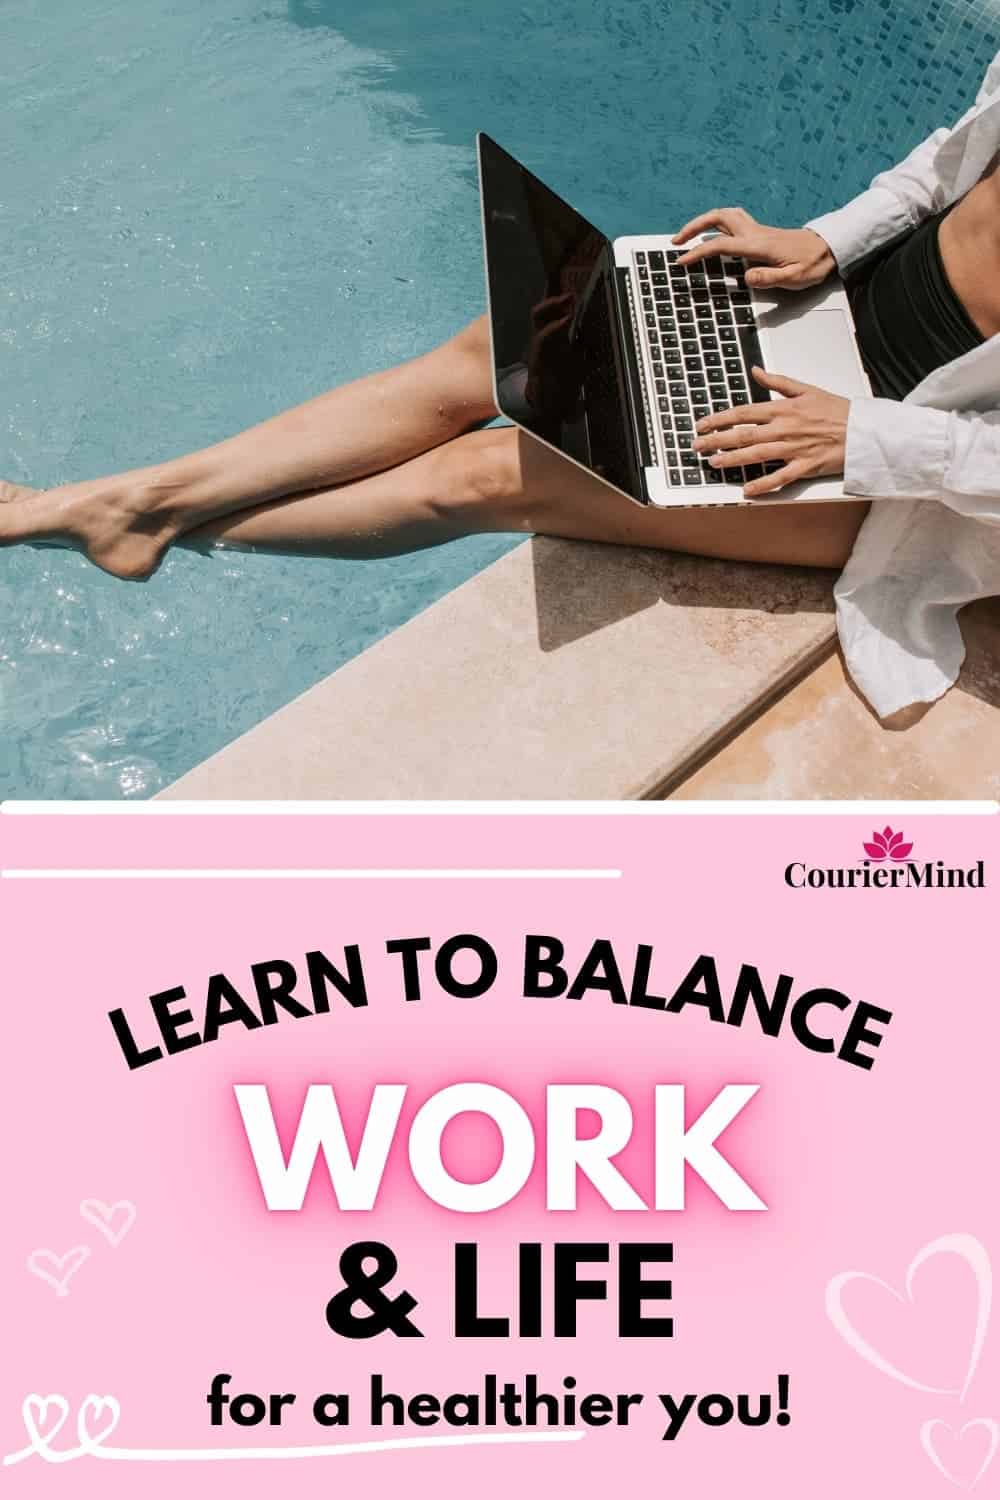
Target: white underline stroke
335,1450
354,874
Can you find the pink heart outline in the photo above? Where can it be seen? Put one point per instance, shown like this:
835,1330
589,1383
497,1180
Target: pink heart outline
36,1265
96,1404
967,1248
101,1216
41,1441
927,1443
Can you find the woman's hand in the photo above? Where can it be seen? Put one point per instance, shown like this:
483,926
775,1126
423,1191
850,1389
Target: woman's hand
807,433
791,258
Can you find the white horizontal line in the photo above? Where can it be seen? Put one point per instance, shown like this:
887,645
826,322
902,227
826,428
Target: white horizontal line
336,1450
494,809
361,874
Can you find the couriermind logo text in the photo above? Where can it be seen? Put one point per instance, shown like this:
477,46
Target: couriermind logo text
887,866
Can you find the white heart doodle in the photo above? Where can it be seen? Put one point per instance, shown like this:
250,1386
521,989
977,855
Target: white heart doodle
58,1270
35,1415
928,1430
96,1405
113,1220
967,1248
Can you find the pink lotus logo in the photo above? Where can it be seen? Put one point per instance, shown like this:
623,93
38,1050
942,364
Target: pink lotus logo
887,845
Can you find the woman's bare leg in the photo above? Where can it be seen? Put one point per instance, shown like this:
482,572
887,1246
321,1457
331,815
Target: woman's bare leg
376,468
502,480
124,523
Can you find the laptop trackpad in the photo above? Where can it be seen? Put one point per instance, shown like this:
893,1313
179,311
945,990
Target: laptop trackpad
816,347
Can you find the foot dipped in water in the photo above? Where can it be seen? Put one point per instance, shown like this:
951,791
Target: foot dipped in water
119,536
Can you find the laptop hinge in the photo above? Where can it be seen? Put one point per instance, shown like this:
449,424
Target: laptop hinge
638,397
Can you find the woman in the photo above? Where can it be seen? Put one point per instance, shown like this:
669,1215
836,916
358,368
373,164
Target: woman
397,461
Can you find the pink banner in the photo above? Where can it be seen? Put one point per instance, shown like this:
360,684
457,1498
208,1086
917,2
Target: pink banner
499,1154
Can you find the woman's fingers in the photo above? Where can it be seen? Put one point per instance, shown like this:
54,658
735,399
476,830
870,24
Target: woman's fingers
765,276
721,244
733,438
753,453
776,481
716,218
737,416
783,384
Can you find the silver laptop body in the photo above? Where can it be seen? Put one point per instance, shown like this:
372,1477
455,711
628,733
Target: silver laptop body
610,352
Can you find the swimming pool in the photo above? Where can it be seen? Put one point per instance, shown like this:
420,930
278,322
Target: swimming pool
216,208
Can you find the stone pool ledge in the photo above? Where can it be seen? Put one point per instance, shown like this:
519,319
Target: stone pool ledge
564,670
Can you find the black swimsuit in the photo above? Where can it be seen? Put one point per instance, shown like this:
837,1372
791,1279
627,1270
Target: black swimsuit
906,314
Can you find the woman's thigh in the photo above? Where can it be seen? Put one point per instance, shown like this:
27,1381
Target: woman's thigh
552,496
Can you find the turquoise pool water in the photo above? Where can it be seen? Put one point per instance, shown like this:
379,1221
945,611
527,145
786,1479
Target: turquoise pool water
212,209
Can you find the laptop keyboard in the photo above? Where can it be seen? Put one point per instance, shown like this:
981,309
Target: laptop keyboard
702,342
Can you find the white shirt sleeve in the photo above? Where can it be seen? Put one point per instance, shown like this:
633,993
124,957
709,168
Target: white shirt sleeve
897,450
899,198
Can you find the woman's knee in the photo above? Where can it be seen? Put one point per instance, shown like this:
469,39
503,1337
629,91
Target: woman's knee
479,478
463,375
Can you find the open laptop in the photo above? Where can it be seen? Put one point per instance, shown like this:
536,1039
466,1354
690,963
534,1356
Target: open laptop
610,353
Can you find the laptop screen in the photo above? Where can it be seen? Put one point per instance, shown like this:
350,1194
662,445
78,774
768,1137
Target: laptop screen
556,342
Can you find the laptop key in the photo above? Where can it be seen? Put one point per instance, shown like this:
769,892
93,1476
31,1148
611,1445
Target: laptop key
671,341
674,476
723,318
661,387
685,315
712,358
660,278
753,471
706,327
680,406
678,390
683,424
664,404
718,393
733,367
656,260
696,380
701,411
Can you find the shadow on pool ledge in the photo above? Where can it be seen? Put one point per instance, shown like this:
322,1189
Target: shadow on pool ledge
573,599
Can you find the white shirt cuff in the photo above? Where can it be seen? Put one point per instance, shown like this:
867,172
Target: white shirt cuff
895,450
871,219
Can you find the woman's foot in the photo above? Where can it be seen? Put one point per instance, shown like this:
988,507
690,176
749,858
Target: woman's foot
101,519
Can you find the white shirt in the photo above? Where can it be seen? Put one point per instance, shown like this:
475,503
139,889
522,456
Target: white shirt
930,463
